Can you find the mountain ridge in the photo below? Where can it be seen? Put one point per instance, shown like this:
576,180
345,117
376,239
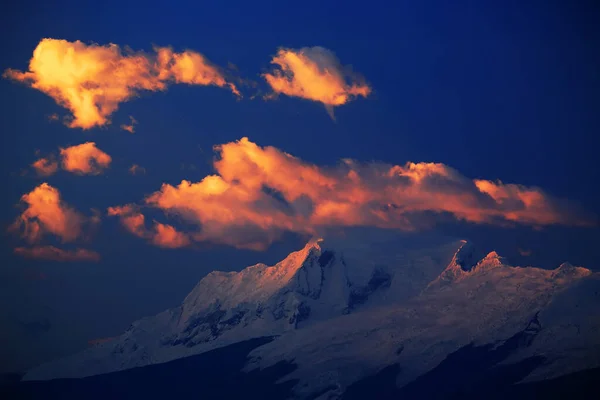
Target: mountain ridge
331,300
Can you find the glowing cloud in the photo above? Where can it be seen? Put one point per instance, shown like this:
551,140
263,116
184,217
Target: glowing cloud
84,158
161,235
315,73
52,253
168,236
92,80
260,192
45,167
46,213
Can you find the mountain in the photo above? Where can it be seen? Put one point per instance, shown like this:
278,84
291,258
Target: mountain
348,308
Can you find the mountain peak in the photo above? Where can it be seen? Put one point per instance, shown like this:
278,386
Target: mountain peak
490,261
315,241
492,255
567,270
361,274
467,261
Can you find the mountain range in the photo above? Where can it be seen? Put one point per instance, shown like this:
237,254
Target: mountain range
364,313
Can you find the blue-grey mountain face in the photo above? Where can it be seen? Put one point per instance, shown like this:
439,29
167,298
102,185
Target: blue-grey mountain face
379,315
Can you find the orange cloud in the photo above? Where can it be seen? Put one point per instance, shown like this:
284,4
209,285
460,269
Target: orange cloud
258,193
45,167
84,158
55,254
315,73
161,235
46,213
519,203
191,68
131,127
131,218
136,170
92,80
168,236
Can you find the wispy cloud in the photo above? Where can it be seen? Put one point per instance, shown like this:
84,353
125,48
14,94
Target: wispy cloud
136,170
260,192
315,73
45,166
131,127
92,80
161,235
525,252
52,253
84,158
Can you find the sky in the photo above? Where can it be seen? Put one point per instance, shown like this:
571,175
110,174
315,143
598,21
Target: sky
475,119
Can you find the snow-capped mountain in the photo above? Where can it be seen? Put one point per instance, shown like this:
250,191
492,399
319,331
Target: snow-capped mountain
345,307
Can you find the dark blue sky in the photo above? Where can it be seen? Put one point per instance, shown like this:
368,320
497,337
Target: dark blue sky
497,90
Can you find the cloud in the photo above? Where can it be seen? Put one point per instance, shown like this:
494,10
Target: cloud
161,235
524,252
136,170
168,236
84,158
52,253
315,73
45,166
258,193
46,213
131,127
131,218
92,80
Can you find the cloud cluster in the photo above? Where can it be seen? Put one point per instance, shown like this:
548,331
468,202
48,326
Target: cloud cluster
47,215
81,159
257,193
161,235
92,80
260,192
315,73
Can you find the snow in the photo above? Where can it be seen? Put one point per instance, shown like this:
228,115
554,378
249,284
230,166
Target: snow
489,305
343,306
